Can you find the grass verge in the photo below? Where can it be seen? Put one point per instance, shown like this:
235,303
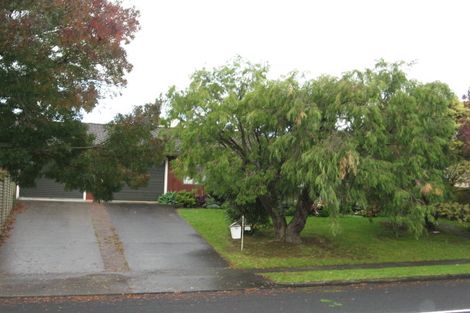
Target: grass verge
359,241
367,274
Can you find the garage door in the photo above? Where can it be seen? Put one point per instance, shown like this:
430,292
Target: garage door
150,192
48,188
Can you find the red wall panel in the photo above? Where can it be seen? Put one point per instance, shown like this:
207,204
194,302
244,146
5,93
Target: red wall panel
175,184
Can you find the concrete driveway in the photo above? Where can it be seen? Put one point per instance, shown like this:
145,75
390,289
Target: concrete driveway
67,248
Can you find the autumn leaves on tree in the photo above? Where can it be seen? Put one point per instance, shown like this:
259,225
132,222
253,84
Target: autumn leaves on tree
57,58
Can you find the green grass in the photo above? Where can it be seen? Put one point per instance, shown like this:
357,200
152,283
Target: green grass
367,274
359,241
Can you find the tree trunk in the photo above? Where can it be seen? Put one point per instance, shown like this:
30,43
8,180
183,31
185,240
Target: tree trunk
279,225
289,233
279,221
430,226
297,224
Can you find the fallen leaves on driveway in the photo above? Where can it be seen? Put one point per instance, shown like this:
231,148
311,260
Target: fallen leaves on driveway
10,222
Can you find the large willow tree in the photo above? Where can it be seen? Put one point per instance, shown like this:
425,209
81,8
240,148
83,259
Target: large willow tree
372,139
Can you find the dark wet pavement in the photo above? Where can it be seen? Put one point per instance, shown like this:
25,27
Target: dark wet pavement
51,237
158,239
438,296
53,250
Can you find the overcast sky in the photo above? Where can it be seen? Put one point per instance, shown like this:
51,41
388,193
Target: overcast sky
315,37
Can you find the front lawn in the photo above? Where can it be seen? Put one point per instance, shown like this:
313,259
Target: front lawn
359,241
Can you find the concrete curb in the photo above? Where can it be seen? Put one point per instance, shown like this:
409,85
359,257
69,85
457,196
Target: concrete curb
267,287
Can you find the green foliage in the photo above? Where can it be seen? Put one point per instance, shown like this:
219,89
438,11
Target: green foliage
254,215
459,173
323,212
56,60
453,211
462,140
401,132
462,195
371,140
185,199
180,198
212,203
168,198
123,158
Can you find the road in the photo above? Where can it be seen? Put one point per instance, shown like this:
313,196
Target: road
434,296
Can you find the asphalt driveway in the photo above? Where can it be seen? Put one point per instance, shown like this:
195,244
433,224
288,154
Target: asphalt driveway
156,238
51,237
70,248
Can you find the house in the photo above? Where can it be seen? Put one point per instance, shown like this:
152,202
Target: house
162,180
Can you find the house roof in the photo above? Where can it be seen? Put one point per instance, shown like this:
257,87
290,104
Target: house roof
100,132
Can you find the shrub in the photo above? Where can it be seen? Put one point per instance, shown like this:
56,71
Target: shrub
186,199
453,211
462,195
200,201
368,212
168,198
322,212
212,203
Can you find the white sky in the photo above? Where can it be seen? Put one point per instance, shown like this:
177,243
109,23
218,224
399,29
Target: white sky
315,37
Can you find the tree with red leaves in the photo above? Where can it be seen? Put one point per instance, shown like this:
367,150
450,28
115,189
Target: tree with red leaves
57,59
464,130
459,173
464,135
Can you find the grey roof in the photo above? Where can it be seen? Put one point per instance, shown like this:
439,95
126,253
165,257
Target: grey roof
98,130
101,134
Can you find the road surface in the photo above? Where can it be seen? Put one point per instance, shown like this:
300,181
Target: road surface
435,296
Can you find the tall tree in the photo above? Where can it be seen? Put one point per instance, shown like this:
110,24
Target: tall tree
57,58
366,139
458,173
130,147
463,134
261,142
403,130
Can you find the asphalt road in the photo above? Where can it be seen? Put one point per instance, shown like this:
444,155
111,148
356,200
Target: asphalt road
435,296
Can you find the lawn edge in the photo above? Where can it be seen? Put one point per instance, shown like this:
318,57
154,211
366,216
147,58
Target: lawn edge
371,281
352,266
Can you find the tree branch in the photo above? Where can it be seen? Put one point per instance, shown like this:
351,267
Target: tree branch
242,132
229,142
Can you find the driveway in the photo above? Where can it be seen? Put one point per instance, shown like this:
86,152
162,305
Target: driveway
67,248
51,237
156,238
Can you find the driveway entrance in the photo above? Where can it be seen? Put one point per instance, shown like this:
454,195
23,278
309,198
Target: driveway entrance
66,248
156,238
